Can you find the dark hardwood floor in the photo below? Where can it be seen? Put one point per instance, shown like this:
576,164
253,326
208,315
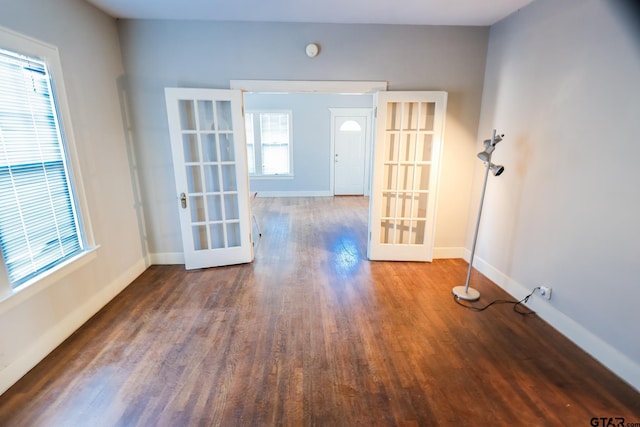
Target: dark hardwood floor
312,333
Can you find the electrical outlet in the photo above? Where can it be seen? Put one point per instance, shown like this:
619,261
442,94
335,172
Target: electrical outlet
545,292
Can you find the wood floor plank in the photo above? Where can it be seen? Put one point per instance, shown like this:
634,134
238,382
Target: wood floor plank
311,333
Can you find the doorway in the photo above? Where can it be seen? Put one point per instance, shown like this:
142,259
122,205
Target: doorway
351,147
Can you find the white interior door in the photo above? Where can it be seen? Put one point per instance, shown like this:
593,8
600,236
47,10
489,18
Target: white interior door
407,151
210,166
351,136
349,155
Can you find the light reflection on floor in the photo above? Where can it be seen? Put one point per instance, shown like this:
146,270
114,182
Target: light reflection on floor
346,258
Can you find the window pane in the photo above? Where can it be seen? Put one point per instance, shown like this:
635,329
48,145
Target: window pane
251,158
275,159
274,140
38,223
251,154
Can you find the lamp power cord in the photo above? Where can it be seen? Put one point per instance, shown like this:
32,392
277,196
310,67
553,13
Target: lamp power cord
516,304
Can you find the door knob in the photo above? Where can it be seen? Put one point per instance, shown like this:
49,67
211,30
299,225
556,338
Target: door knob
183,200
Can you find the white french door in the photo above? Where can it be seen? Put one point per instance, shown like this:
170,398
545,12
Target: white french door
408,144
210,166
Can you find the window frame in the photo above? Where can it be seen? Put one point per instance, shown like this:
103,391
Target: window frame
257,144
19,43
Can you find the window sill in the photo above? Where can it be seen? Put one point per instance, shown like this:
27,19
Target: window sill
261,177
27,290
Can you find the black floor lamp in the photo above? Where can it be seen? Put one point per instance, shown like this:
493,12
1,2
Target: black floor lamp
465,292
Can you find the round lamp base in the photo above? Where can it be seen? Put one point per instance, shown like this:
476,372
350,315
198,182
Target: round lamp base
468,295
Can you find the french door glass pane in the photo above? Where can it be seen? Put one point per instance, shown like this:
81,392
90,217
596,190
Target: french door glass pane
191,152
209,147
205,115
425,145
391,147
231,210
390,177
393,116
217,236
388,205
423,174
211,179
187,115
408,147
406,177
200,241
226,148
229,178
386,231
410,113
194,180
214,206
417,237
196,205
233,234
428,116
224,115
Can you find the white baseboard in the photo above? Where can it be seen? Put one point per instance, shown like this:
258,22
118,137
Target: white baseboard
295,193
167,258
609,356
440,253
67,326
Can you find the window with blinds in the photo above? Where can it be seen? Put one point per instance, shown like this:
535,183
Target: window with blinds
269,143
39,226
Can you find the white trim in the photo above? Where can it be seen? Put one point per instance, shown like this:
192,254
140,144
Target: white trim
47,342
166,258
367,113
47,279
295,193
26,45
305,86
609,356
33,47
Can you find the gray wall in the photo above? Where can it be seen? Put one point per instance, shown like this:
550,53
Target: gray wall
159,54
563,83
88,44
311,140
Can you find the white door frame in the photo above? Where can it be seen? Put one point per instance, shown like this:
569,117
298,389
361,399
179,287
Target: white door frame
351,112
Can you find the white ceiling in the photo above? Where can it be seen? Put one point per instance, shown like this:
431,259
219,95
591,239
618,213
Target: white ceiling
416,12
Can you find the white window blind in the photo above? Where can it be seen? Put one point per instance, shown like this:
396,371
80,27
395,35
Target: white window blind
274,128
251,152
269,143
39,226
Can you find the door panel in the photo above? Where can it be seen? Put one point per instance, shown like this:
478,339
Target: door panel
210,166
349,158
405,175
